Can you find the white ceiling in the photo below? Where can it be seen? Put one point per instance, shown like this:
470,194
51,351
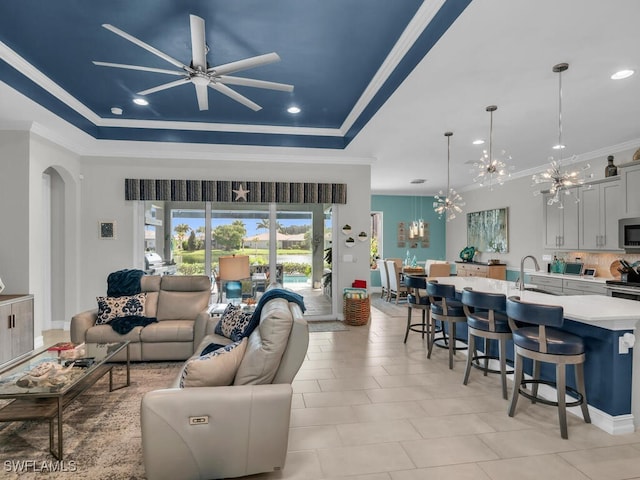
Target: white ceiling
497,52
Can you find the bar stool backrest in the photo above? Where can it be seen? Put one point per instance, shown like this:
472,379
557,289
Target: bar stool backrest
537,314
484,300
435,289
415,282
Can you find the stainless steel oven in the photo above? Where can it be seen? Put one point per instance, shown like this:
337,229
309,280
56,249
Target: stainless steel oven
627,290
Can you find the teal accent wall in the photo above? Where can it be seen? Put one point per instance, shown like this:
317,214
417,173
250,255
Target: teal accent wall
402,208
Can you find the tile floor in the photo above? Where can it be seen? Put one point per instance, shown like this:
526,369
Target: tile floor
367,406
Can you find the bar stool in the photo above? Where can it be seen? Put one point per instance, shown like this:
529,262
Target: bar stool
445,308
486,319
542,341
420,302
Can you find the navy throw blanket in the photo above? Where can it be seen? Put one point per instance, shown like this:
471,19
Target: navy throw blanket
269,295
124,283
124,325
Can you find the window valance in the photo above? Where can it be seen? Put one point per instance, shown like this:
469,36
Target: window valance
234,191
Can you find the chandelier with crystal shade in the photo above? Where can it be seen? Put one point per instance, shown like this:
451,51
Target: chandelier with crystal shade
449,205
554,179
491,169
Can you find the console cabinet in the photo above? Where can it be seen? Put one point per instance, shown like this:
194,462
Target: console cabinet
16,326
599,213
499,272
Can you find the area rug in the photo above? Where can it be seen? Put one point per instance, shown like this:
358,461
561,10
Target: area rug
101,431
390,308
327,326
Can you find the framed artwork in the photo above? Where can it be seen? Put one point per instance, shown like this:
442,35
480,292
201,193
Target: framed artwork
107,229
488,230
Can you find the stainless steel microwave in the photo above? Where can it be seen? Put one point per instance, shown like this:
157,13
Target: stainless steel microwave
629,233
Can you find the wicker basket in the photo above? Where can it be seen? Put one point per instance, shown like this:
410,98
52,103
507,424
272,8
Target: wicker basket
356,311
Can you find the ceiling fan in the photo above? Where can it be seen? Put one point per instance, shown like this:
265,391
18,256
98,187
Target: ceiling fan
198,72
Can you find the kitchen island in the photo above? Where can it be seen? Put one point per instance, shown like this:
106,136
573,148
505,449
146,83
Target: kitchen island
612,382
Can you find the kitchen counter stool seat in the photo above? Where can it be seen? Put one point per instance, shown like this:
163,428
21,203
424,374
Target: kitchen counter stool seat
486,319
445,309
543,341
417,299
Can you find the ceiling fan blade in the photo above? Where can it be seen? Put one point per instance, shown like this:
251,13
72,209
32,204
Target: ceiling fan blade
198,43
203,96
146,46
138,67
245,64
235,95
164,86
250,82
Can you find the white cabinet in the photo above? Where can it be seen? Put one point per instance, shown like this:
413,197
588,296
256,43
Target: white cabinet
568,286
551,284
599,212
630,179
16,326
583,287
560,223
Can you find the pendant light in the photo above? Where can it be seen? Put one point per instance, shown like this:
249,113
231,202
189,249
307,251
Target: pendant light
450,204
491,169
553,179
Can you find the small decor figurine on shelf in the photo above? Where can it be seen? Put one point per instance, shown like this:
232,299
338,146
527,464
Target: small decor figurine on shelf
610,170
468,253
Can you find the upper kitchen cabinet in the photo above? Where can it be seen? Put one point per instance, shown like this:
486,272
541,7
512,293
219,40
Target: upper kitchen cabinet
560,222
630,180
600,210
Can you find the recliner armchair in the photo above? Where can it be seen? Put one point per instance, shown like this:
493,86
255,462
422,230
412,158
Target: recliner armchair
229,431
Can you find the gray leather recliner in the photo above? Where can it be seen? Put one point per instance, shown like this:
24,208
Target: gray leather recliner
229,431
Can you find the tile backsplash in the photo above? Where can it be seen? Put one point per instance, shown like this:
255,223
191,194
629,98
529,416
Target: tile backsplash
600,261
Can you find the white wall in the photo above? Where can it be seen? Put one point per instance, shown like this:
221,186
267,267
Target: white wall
103,199
14,211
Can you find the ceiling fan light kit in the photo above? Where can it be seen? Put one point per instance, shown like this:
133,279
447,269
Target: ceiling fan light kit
198,72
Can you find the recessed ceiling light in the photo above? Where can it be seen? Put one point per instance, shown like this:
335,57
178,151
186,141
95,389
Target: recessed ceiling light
622,74
478,142
293,110
116,110
558,147
140,101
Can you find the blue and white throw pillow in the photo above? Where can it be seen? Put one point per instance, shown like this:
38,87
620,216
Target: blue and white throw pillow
113,307
234,324
214,369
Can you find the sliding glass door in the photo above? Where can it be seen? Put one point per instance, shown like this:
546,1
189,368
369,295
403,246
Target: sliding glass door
285,243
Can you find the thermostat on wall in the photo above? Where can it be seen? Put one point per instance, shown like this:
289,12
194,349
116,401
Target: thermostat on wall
589,272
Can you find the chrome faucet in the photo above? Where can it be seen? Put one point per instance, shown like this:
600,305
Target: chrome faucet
521,278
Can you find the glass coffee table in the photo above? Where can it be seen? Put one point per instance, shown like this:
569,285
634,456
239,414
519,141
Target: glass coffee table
45,382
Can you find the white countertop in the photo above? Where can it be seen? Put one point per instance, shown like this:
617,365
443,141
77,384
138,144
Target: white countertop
606,312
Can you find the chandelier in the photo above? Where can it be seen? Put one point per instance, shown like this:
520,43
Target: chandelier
490,169
416,228
450,204
559,182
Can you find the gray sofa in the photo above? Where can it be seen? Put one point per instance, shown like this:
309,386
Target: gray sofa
180,303
229,431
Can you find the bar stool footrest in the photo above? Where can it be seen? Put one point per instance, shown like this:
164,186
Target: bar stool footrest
534,398
443,342
475,359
